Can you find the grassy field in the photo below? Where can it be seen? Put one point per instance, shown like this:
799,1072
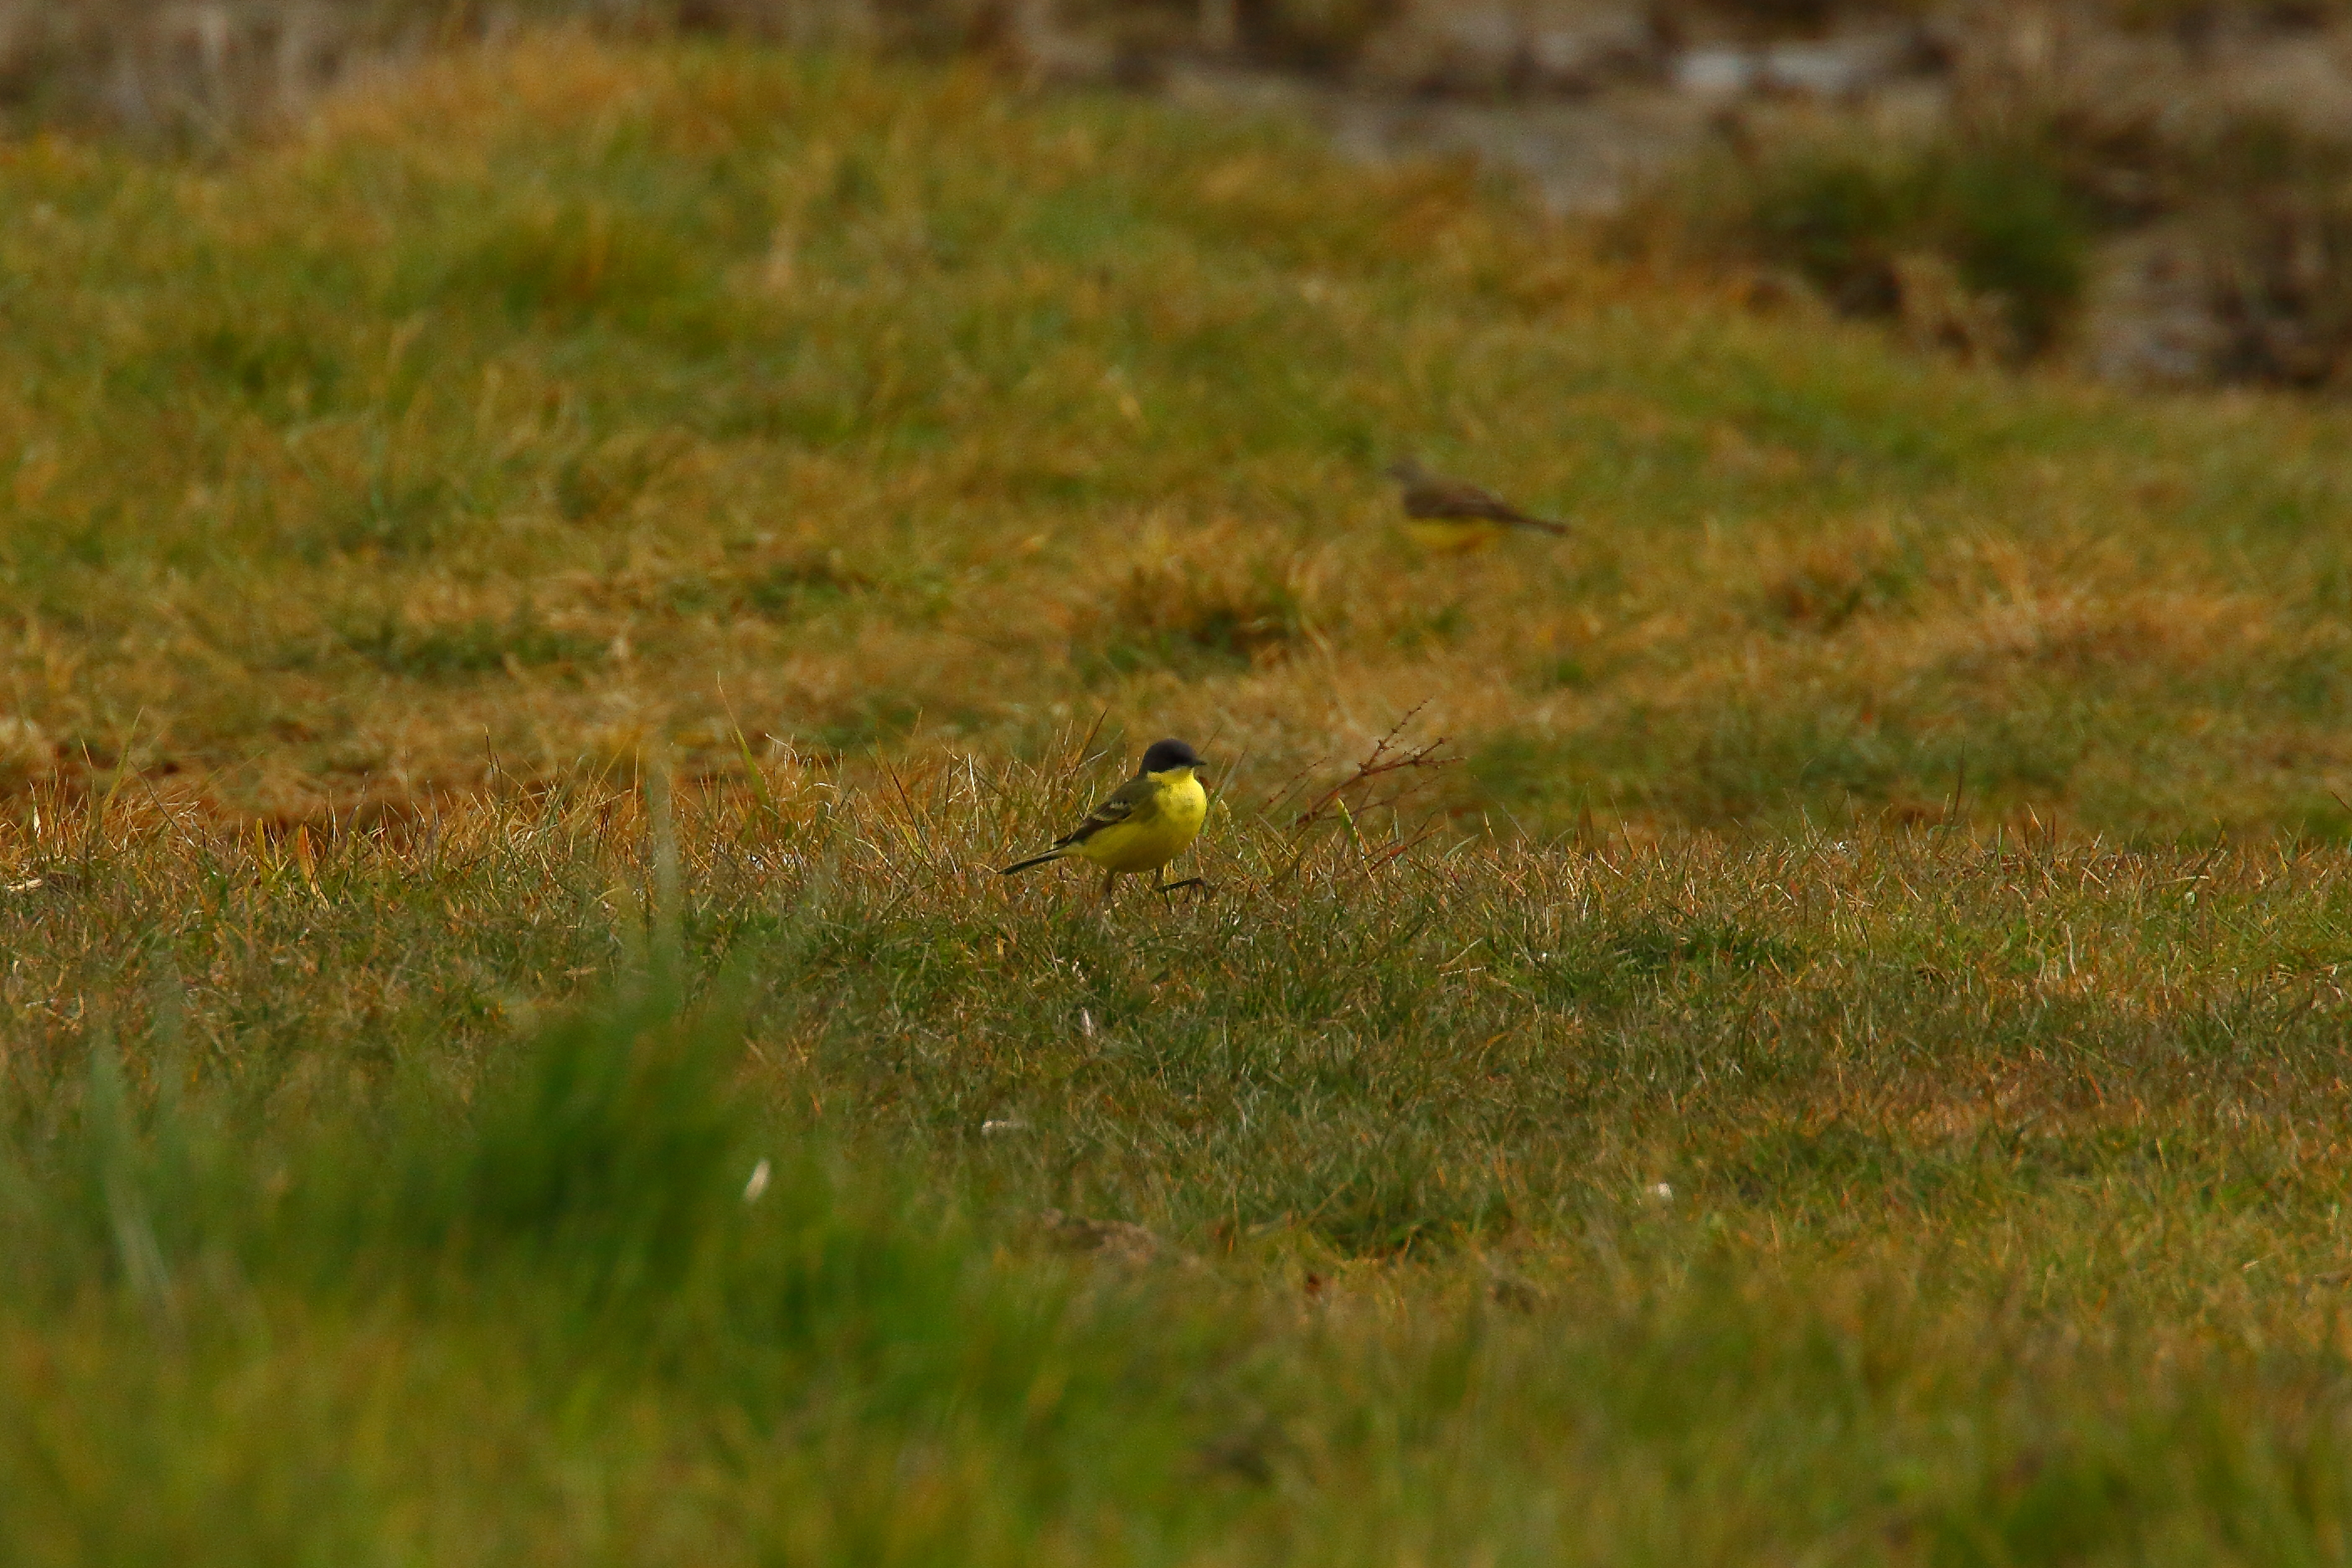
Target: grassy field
561,401
534,607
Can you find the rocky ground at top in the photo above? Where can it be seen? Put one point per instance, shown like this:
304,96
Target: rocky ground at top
2155,190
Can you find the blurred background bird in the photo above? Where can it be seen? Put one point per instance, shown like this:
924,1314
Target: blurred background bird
1447,515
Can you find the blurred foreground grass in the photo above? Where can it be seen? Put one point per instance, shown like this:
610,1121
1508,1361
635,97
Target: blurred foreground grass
372,1142
381,1198
558,400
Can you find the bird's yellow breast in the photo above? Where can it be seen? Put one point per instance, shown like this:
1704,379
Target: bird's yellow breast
1450,536
1151,838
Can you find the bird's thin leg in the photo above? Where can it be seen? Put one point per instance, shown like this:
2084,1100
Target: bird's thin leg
1109,878
1160,884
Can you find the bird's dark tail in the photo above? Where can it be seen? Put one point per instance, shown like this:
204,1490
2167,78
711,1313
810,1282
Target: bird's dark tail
1538,523
1032,860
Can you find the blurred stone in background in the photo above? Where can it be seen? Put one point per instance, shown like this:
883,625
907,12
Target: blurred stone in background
187,64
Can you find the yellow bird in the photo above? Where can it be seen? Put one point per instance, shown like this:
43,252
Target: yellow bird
1145,823
1449,515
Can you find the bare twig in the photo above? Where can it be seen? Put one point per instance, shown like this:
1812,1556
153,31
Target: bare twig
1385,757
1078,758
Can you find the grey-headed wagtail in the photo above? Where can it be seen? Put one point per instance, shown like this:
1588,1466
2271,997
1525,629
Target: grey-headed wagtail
1147,822
1450,515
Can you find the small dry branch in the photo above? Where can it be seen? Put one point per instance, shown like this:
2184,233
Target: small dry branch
1386,758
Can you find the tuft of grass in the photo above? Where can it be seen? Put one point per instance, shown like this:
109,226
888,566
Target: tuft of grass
787,590
1197,613
468,649
1856,223
577,261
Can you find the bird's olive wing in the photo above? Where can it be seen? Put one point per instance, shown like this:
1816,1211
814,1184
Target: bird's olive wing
1135,801
1475,502
1456,499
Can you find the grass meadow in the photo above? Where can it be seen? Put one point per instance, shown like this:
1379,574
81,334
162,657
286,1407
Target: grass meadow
535,603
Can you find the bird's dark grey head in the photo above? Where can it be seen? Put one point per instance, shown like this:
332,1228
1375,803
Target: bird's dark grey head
1166,754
